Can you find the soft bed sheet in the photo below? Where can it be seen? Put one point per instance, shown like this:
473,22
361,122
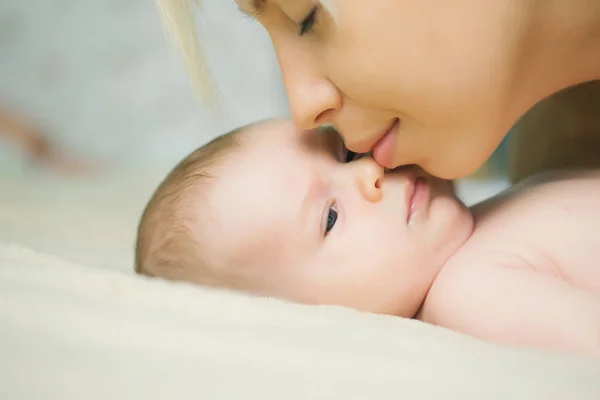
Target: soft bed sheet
76,323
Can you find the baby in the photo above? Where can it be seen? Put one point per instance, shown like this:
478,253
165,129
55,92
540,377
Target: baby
272,211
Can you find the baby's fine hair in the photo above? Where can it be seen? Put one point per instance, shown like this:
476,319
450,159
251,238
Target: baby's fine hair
168,243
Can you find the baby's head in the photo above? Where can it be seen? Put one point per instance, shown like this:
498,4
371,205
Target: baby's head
273,211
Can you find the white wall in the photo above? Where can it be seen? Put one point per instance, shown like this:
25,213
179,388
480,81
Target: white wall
99,76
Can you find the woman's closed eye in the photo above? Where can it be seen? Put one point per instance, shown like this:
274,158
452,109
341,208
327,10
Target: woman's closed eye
309,21
330,218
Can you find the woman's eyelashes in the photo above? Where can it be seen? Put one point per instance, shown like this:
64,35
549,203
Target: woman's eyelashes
332,216
350,156
309,21
343,155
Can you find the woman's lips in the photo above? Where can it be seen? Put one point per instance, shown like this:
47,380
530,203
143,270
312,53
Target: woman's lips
384,149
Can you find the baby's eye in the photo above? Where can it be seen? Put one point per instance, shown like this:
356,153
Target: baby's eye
332,216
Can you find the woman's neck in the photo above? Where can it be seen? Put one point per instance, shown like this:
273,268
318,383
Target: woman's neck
561,48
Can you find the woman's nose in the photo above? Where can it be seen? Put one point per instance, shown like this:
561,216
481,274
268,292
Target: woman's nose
313,98
369,178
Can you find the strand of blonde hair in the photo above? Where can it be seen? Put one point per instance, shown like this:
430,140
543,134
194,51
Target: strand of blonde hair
179,24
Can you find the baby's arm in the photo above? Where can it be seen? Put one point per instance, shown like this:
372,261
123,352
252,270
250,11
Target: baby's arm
520,307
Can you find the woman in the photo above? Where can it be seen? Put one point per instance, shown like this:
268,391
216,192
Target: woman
433,83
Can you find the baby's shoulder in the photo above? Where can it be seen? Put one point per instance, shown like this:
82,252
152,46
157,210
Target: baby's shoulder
559,178
472,282
473,261
466,278
499,299
545,188
536,207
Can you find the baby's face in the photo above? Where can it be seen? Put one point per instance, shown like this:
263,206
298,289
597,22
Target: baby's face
299,223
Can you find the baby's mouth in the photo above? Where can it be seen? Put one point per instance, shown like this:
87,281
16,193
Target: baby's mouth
418,195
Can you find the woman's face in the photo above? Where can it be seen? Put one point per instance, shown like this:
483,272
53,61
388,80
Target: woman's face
418,82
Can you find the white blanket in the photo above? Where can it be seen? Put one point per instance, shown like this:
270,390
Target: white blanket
76,323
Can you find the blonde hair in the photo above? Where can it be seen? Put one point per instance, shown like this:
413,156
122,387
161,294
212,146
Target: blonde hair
179,24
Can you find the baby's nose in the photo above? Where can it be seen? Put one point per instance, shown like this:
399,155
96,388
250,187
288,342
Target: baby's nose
357,156
369,178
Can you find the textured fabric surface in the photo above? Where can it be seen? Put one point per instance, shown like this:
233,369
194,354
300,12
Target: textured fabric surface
73,331
75,322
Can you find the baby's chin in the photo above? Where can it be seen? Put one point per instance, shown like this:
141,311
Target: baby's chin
452,223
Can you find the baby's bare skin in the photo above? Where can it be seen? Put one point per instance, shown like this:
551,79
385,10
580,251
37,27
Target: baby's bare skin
292,219
530,273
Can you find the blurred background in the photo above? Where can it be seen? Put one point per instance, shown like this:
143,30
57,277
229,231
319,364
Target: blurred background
97,81
100,81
